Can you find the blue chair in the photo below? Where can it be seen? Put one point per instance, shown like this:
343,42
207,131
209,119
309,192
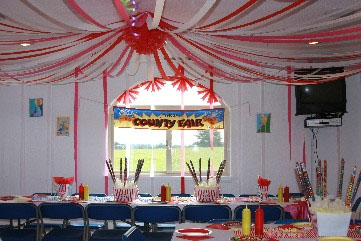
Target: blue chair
249,195
92,194
223,220
205,213
178,195
296,195
156,215
133,234
19,211
272,213
145,195
104,212
63,211
227,195
290,221
91,225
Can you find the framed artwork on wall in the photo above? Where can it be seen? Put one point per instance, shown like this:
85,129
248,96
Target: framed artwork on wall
36,107
62,125
264,123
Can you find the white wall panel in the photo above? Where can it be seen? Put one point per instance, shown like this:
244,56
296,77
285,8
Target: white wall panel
32,142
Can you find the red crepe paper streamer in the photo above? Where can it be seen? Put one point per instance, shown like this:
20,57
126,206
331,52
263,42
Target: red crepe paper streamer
106,112
182,82
208,94
289,110
263,182
73,5
143,40
76,112
131,93
77,71
231,15
154,85
304,152
63,180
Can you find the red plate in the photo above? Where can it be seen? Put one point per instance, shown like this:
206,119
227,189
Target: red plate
194,231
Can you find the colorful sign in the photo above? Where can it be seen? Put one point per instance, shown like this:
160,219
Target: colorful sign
36,107
264,123
62,126
169,119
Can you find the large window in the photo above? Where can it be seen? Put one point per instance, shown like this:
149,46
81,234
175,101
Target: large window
161,149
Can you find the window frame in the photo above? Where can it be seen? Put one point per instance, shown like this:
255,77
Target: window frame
227,129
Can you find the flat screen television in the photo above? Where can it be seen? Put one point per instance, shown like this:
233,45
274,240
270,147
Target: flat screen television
321,99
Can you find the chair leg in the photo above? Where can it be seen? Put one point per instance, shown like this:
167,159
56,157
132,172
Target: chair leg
153,227
146,227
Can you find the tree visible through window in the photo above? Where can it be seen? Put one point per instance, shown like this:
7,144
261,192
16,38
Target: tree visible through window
161,149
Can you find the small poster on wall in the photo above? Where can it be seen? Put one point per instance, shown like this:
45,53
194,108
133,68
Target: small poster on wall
36,107
264,123
62,125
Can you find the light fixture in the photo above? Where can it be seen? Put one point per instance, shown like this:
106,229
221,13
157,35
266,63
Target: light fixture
313,43
24,44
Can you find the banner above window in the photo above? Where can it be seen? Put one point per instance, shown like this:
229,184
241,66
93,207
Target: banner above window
169,120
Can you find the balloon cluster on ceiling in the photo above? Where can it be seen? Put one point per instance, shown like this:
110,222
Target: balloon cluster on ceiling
218,50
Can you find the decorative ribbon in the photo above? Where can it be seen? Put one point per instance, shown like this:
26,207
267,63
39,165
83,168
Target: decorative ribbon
126,63
182,161
159,65
211,131
76,111
37,40
159,5
182,82
304,152
283,10
231,15
129,95
117,62
69,59
83,14
122,11
30,30
289,110
105,101
201,13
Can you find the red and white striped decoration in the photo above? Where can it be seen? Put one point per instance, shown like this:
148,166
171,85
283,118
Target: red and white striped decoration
62,190
278,233
207,194
125,194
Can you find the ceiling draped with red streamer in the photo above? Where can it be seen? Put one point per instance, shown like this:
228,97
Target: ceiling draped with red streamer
226,41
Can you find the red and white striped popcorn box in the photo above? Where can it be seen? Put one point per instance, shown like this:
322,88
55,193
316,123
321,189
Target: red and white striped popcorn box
125,194
62,190
206,194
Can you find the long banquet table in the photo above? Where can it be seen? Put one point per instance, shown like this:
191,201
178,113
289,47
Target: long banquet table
293,206
219,235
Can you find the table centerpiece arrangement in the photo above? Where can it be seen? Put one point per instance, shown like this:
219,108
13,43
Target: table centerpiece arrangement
208,190
63,186
125,190
332,218
263,185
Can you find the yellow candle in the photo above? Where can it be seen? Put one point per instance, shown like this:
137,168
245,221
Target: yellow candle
168,193
246,221
280,193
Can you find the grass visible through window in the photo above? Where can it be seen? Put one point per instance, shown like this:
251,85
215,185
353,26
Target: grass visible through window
159,156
